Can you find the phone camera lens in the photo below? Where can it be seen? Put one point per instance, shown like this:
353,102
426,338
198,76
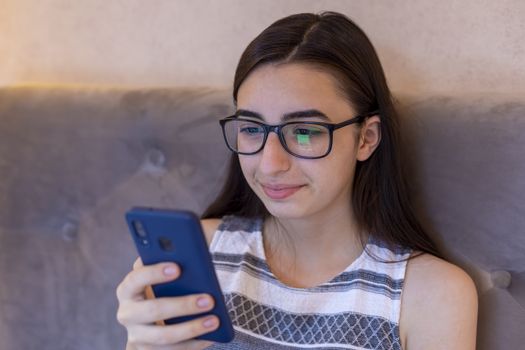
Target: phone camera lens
141,231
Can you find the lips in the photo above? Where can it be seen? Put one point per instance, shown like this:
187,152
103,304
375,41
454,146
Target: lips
280,191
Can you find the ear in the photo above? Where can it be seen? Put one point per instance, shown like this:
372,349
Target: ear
369,137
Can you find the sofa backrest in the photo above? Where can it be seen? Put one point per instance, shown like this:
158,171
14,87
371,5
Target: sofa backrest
73,160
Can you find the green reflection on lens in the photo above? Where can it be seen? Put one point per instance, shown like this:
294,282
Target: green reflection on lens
303,139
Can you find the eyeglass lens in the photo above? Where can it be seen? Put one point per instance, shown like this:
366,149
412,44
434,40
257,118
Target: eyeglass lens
302,139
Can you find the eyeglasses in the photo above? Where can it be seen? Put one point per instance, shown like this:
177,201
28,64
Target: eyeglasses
308,140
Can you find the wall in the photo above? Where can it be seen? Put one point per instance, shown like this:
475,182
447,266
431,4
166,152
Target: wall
452,46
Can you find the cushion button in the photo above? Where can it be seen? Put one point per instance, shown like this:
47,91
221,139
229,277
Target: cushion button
156,158
69,231
501,279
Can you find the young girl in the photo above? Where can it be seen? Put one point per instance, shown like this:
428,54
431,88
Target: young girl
313,237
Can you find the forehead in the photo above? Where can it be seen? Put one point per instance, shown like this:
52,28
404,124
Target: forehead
274,90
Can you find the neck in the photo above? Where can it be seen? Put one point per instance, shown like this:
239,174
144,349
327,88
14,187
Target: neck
329,239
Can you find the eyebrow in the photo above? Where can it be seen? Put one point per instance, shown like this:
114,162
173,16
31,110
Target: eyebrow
309,113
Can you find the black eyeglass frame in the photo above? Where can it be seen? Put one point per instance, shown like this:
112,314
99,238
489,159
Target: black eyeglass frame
278,130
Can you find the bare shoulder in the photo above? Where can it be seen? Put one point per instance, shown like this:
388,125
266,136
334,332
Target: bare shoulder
439,306
209,226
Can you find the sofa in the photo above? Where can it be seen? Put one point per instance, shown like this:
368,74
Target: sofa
73,159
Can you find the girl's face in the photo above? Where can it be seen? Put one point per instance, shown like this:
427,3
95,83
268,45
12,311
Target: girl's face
292,187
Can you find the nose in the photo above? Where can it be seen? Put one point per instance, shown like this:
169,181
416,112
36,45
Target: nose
274,158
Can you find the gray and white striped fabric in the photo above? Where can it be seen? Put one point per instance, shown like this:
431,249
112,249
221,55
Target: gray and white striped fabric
357,309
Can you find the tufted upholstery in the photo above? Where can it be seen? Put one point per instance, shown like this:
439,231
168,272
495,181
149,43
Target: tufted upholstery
73,160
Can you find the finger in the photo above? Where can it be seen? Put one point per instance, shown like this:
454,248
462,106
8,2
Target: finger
138,263
136,281
172,334
149,311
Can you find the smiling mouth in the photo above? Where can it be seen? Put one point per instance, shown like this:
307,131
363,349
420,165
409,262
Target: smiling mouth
280,191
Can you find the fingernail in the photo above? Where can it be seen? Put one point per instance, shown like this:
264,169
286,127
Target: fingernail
203,302
210,322
170,270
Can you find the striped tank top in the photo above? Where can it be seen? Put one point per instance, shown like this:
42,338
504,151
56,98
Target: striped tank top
357,309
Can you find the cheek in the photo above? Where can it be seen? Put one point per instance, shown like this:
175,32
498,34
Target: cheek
333,183
340,165
333,175
248,167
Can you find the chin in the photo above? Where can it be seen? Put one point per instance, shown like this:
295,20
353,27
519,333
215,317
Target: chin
293,207
286,210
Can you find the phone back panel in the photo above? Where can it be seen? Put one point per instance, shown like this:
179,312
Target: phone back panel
176,236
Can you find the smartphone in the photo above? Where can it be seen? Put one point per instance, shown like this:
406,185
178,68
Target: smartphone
163,235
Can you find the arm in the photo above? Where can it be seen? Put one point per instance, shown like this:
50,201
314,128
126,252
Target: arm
439,306
209,226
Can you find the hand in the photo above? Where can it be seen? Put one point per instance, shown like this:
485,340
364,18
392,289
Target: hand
139,314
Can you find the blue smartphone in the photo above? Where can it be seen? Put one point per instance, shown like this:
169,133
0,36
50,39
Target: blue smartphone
162,235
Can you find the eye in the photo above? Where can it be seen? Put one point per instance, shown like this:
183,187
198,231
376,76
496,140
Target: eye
250,129
308,130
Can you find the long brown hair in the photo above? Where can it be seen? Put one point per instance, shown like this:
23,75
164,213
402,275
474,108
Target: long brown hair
334,43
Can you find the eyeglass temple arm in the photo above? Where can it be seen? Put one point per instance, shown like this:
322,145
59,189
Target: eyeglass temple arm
356,119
